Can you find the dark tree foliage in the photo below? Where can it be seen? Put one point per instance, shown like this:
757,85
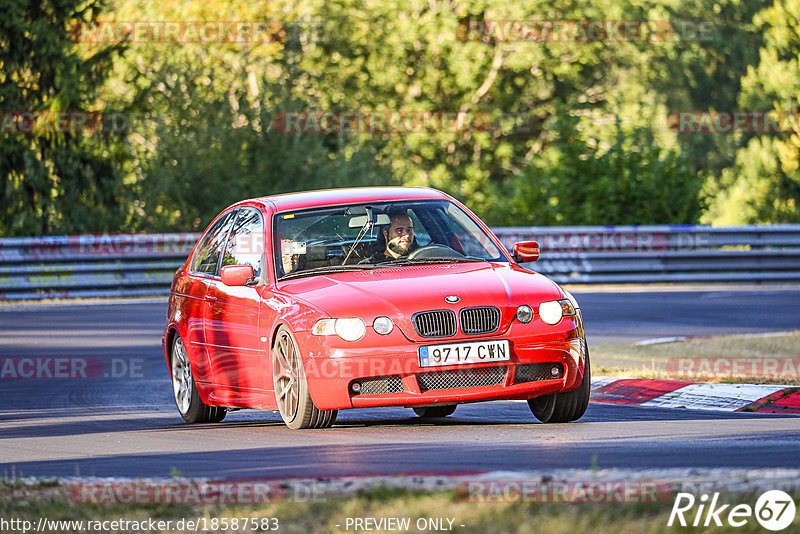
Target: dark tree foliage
573,132
53,178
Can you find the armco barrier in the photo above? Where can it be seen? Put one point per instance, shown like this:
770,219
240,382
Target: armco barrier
91,265
665,254
131,265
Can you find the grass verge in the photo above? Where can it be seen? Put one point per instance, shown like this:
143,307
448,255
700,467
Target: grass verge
726,359
449,511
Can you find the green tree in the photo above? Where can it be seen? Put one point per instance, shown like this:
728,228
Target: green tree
204,135
764,183
53,181
209,139
410,57
633,181
578,131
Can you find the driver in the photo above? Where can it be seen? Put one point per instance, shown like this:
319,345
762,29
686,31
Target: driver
290,262
399,238
290,257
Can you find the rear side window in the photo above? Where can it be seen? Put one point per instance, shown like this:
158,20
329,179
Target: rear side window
246,243
206,256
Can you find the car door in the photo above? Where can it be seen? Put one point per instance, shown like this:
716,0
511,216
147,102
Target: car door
232,328
202,272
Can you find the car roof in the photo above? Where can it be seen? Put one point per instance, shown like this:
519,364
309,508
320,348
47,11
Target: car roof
333,197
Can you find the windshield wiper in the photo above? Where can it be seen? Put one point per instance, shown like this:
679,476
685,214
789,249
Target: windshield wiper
423,261
326,269
369,224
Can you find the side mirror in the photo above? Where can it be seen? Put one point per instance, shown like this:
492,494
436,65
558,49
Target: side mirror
525,251
237,275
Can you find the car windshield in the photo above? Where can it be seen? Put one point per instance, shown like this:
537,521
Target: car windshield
377,235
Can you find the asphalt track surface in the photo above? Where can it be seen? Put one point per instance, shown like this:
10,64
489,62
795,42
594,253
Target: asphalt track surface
127,426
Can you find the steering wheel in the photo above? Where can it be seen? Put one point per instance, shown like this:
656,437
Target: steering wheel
435,251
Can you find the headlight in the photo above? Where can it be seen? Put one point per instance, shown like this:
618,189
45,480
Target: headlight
349,329
524,314
552,311
382,325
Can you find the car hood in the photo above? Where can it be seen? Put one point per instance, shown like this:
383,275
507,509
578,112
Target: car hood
399,292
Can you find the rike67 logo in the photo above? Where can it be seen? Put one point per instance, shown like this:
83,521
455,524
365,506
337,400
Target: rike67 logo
774,510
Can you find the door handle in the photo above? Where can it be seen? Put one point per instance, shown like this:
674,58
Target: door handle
210,298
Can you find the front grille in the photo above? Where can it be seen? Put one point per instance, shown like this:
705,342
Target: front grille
379,385
441,323
480,320
533,372
462,378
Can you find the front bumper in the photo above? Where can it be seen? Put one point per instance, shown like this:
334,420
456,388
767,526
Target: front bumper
387,369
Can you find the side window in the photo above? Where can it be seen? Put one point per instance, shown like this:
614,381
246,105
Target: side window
206,256
467,237
246,243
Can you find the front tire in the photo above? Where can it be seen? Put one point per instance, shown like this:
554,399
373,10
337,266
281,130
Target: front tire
564,407
435,411
291,388
187,399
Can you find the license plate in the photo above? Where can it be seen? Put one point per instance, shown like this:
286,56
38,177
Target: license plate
464,353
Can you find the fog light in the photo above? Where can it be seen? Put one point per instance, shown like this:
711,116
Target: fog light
524,314
383,325
355,387
555,371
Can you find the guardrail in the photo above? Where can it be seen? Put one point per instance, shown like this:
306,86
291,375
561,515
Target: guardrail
664,254
132,265
91,265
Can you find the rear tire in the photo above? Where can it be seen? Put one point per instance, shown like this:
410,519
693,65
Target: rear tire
564,407
435,411
291,388
187,399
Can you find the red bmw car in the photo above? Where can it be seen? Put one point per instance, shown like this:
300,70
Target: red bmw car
310,303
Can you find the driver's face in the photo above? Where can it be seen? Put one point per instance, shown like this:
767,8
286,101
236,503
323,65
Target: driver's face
399,236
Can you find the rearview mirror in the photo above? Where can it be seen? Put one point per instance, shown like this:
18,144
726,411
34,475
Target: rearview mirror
525,251
237,275
360,220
